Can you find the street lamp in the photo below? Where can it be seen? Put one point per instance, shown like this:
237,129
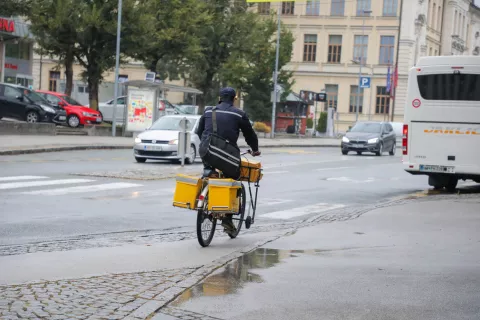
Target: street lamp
365,12
117,62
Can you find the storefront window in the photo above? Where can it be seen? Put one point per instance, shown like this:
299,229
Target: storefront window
24,51
19,50
11,50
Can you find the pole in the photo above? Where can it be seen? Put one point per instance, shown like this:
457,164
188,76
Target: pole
370,97
360,70
2,69
117,62
275,80
398,51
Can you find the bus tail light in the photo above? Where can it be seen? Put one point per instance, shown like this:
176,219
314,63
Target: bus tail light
405,139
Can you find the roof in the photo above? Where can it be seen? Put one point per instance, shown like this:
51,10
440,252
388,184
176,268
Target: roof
448,61
52,92
196,116
161,86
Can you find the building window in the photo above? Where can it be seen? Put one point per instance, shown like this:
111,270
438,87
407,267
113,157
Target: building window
288,8
313,8
353,100
360,49
390,8
439,18
363,5
382,105
264,8
387,45
310,48
338,8
430,51
12,50
334,49
53,82
332,96
455,23
436,52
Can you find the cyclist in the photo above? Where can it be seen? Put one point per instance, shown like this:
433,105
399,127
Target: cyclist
231,120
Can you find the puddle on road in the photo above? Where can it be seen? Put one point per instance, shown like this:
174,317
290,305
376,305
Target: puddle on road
232,277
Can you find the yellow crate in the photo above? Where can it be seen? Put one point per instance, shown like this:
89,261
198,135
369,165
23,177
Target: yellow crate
187,190
222,195
250,170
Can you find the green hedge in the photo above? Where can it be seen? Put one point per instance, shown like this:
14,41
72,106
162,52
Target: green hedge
322,122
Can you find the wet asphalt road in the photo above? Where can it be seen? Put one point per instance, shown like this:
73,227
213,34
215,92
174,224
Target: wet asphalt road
297,183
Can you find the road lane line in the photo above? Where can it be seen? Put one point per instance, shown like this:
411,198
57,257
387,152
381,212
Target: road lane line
301,211
19,178
293,164
337,168
16,185
275,172
83,189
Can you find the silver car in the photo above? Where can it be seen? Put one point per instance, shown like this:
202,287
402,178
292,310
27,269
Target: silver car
160,141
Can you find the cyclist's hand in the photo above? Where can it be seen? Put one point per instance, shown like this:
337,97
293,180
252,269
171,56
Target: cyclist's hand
256,153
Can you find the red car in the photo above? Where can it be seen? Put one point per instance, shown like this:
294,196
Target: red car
77,115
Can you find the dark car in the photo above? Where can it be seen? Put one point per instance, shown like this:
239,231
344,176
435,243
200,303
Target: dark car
376,137
23,104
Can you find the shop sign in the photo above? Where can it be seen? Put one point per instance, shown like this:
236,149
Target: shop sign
7,25
11,66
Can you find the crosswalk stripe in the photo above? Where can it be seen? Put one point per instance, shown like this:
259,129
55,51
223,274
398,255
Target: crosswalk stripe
83,189
16,185
301,211
20,178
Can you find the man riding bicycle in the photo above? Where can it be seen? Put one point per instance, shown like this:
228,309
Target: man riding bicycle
231,120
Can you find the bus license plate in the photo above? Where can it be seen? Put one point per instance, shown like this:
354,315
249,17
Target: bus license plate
433,168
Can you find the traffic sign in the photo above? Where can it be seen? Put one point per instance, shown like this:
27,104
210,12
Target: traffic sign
365,82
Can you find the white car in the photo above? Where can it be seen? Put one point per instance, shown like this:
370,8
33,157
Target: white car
160,141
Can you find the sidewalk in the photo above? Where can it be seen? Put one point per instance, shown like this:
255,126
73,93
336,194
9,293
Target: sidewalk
21,144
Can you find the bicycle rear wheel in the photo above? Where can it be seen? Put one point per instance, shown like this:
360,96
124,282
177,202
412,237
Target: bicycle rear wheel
206,225
241,213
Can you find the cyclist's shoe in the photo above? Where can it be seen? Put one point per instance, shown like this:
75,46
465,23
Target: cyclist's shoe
227,223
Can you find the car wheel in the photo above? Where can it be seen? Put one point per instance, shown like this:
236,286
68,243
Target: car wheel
192,156
359,153
140,160
344,152
32,117
452,184
73,121
394,149
101,115
380,150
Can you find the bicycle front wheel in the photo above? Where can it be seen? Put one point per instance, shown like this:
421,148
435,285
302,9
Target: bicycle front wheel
241,213
206,225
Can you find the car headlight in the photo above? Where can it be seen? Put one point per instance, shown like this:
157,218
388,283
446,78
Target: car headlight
175,141
88,114
138,140
47,108
374,140
345,139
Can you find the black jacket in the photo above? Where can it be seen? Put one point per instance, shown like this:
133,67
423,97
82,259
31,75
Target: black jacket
230,121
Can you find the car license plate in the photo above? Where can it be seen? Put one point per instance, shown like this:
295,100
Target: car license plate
357,146
99,119
434,168
62,118
153,148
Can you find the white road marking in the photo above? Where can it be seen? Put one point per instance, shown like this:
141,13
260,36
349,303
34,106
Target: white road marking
20,178
83,189
301,211
16,185
337,168
347,179
274,172
272,202
292,164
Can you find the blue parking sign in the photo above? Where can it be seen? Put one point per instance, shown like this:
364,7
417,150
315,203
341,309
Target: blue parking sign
364,82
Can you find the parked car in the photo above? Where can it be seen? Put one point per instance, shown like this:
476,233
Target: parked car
77,115
23,104
160,141
376,137
106,108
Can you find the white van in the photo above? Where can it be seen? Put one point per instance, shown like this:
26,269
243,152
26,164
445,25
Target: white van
441,134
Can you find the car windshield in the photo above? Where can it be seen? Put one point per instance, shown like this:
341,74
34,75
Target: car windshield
35,97
172,123
71,101
367,127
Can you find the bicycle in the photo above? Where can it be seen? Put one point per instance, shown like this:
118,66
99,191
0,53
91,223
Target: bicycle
205,216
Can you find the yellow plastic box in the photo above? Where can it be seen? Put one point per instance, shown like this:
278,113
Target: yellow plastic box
250,169
187,190
222,195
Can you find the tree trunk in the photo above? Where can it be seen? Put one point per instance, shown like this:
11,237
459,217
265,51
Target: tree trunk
93,84
69,58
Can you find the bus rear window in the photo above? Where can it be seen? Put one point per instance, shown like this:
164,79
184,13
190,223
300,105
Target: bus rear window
449,86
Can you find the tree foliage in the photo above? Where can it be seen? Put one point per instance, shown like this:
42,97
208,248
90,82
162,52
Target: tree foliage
9,8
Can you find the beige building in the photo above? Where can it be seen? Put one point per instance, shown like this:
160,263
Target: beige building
48,74
332,38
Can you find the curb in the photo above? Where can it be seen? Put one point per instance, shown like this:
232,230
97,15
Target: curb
110,147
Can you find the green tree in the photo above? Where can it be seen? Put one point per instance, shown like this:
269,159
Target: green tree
9,8
54,23
322,122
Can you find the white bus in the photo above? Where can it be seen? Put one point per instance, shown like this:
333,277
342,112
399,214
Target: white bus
441,134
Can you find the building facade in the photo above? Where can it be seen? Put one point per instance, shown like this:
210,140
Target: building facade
16,52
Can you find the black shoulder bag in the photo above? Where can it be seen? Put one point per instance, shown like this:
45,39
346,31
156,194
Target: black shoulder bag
219,153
